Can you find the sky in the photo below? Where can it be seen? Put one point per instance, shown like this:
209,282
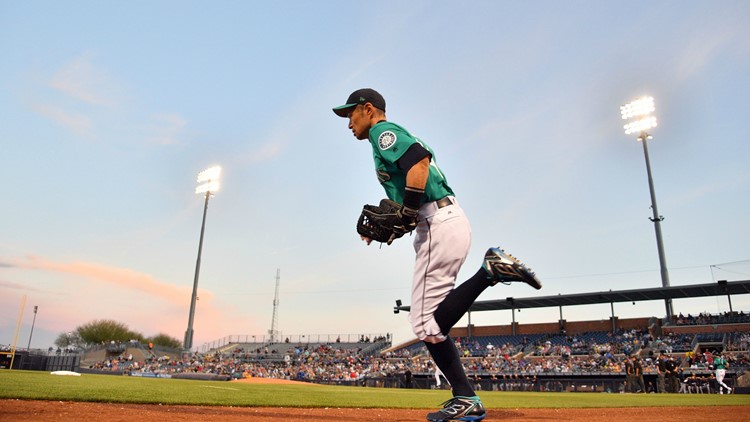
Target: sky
110,109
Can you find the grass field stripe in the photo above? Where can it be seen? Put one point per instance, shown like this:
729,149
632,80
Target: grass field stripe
221,388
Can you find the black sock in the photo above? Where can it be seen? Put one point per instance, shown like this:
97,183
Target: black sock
446,358
458,301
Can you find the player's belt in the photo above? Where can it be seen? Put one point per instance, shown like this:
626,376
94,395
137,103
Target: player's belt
443,202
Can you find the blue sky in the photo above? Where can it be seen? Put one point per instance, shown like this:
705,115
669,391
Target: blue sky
110,109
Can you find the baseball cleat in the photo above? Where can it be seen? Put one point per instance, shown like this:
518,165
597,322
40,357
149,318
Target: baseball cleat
459,408
505,268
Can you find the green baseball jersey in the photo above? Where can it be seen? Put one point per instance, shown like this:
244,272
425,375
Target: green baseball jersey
389,142
720,363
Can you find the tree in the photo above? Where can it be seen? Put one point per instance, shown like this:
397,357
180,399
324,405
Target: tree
165,340
105,331
69,340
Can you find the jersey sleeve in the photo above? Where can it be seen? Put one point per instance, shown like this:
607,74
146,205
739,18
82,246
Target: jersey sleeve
391,141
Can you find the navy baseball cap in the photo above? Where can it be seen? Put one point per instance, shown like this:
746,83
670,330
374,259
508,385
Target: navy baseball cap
361,96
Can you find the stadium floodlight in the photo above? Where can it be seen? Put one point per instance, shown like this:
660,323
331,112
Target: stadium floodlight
209,180
209,183
640,110
640,125
641,107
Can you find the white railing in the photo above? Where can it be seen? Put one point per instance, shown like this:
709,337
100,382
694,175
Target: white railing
261,340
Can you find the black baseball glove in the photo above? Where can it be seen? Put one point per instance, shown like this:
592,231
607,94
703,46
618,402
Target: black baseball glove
386,222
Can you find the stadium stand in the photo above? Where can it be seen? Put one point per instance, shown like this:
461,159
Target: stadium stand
584,357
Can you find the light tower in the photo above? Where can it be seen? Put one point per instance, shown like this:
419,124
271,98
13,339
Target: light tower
639,112
274,331
208,184
28,347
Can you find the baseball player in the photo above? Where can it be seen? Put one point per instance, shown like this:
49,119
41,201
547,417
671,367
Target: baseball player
407,169
720,366
629,375
660,371
438,374
673,373
638,375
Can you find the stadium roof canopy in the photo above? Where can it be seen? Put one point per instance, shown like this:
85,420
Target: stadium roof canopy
719,288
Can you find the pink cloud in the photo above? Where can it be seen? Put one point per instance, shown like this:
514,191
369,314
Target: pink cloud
144,314
119,277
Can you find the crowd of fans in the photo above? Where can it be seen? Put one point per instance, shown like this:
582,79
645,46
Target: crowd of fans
711,319
739,343
502,366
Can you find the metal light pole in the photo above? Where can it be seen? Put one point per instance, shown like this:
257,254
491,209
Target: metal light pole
28,347
641,110
209,183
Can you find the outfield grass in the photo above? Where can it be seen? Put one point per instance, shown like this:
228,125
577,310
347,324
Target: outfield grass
35,385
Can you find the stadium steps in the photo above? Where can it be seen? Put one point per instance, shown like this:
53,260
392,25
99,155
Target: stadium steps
374,349
228,348
140,354
93,357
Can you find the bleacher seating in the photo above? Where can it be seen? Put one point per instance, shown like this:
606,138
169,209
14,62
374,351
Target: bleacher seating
551,354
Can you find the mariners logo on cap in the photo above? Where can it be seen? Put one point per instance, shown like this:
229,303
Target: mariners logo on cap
386,140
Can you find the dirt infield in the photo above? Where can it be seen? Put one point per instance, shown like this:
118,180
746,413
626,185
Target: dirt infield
34,410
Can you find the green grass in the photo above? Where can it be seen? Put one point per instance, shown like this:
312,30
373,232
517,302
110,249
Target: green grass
33,385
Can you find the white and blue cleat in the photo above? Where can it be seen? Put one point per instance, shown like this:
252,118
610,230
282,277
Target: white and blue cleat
504,268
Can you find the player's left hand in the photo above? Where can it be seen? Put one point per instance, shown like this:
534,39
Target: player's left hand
385,222
408,219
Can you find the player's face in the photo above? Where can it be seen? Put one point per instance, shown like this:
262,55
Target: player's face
359,122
